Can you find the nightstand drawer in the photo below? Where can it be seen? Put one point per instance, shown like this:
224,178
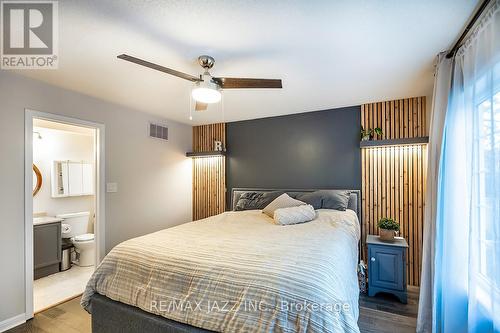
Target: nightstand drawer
386,267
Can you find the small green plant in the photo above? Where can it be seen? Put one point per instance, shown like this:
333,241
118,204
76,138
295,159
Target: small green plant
367,134
388,224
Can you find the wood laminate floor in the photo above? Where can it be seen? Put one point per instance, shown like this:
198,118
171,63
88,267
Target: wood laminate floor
67,317
384,313
377,314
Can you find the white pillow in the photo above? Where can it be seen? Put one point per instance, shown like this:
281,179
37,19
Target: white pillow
282,201
294,215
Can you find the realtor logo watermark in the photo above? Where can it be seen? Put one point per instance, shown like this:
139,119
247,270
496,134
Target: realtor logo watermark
29,32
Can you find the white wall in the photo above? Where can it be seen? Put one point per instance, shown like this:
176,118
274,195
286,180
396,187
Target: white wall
57,145
153,176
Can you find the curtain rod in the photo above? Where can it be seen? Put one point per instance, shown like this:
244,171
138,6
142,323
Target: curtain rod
469,26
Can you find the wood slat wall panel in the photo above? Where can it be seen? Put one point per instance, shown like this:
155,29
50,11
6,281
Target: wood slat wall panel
209,173
394,177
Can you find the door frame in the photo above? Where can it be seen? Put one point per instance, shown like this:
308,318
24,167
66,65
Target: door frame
28,192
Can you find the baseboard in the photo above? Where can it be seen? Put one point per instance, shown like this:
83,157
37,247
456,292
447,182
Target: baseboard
12,322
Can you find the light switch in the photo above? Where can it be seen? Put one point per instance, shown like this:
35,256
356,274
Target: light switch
111,187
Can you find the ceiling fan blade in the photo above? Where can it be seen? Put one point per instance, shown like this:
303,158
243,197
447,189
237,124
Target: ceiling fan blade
200,106
159,68
241,83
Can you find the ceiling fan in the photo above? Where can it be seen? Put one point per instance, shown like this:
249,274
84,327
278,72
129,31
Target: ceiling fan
207,87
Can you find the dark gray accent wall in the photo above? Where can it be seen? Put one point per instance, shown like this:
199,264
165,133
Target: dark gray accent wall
307,150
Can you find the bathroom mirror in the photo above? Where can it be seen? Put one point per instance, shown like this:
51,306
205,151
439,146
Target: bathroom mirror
72,178
37,180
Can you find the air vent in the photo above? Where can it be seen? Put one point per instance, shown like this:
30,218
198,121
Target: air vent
158,131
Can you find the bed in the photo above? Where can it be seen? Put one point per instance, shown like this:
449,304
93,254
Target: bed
235,272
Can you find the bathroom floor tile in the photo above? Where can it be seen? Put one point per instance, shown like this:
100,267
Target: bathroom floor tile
59,287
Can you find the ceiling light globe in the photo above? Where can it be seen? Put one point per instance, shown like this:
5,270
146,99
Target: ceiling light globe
206,95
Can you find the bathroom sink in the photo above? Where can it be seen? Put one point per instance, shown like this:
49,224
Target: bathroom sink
45,220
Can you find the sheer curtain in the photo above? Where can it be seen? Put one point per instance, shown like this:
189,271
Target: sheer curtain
442,83
467,246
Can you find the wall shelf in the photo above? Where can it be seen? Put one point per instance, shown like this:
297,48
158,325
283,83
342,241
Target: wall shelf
206,154
394,142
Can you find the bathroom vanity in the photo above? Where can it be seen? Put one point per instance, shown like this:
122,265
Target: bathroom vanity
46,245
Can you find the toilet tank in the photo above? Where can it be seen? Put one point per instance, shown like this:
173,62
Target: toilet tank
78,224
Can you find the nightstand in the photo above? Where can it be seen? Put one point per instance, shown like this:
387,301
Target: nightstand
387,266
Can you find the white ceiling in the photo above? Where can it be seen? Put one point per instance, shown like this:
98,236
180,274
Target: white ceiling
47,124
328,53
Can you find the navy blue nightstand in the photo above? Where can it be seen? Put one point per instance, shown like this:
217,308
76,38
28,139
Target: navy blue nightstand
387,266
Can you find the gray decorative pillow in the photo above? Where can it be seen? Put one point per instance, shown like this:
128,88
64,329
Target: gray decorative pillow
256,200
294,215
314,199
327,199
283,201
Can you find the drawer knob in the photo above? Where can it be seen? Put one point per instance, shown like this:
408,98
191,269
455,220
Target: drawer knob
372,259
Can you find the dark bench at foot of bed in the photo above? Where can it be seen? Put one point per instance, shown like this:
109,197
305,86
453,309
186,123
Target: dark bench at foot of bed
109,316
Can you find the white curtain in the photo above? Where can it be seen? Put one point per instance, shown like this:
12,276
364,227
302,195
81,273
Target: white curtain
442,84
466,291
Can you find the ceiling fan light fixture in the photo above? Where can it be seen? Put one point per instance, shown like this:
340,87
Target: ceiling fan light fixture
206,91
206,95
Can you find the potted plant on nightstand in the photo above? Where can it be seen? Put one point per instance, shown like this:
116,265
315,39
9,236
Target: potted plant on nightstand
388,228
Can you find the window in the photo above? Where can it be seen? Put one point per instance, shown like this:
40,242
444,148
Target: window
488,177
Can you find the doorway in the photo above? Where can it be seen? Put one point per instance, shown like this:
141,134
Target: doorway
64,207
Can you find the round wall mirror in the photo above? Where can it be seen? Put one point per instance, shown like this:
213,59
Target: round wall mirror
37,180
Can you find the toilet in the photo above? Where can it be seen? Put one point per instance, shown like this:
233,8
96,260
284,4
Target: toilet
75,228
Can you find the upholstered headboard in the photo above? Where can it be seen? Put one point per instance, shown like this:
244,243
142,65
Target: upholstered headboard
354,200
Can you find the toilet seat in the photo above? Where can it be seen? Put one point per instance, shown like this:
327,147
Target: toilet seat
84,238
